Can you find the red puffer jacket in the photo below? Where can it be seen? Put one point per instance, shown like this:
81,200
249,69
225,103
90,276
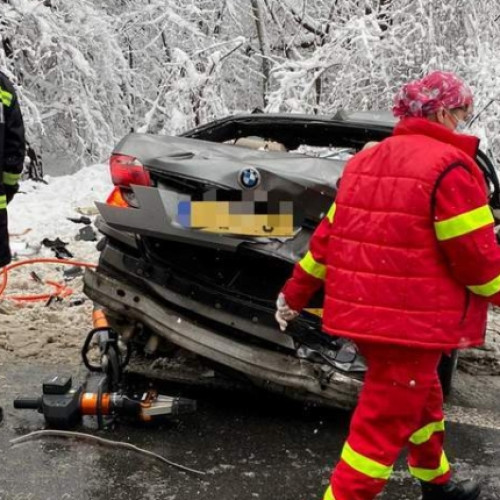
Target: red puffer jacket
407,252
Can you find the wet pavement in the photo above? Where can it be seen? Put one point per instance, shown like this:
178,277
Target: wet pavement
250,446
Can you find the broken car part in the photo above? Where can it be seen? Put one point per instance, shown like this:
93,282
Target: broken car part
58,247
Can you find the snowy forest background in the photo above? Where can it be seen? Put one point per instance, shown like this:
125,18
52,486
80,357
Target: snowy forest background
89,71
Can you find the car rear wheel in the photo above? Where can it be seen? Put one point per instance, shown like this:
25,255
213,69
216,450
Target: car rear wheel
446,371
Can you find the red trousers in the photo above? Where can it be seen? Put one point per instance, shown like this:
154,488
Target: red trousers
401,404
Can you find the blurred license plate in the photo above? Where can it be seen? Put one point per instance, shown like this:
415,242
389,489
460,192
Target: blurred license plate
236,217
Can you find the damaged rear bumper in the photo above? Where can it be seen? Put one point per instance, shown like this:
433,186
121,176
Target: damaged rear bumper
275,371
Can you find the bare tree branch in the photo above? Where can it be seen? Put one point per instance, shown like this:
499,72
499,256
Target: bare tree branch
300,20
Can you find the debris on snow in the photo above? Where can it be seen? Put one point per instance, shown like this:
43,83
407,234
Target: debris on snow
50,332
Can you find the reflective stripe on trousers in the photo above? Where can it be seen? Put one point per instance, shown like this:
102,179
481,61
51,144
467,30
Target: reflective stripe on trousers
381,428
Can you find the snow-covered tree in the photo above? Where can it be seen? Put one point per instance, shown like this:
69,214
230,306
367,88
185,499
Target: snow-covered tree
71,73
90,71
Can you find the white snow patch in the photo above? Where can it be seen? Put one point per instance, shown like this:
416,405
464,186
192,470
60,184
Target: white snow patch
43,209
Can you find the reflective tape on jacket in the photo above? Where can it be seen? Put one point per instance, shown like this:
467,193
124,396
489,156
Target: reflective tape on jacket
463,223
329,494
365,465
3,202
5,97
331,213
425,433
10,179
487,289
431,474
313,267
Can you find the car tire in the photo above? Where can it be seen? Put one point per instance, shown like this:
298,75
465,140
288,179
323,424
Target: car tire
446,371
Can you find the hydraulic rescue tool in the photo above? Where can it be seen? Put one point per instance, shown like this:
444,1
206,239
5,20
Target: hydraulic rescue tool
103,394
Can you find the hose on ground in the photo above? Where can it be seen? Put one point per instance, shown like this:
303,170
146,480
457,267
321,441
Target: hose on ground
60,289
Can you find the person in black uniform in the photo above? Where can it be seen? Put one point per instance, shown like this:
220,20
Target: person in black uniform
12,152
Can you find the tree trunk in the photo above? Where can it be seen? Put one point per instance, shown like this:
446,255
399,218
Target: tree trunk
264,48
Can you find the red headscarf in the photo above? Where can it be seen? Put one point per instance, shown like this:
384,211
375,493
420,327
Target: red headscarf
435,91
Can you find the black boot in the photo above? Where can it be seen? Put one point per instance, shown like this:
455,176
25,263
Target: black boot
452,490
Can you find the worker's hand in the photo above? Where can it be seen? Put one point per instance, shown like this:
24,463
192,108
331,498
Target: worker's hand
284,313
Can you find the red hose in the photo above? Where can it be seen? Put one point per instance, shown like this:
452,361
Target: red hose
61,290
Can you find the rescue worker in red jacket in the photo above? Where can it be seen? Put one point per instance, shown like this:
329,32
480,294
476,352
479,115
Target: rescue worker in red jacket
12,152
409,261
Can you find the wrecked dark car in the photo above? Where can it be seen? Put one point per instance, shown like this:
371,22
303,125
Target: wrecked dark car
202,230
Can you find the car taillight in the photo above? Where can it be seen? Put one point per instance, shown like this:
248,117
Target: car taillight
127,170
117,199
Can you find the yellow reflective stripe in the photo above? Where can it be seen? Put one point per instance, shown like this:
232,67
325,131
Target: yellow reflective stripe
3,201
331,213
10,179
431,474
316,311
425,433
5,97
311,266
365,465
329,494
488,289
463,223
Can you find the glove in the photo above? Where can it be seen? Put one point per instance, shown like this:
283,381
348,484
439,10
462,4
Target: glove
284,313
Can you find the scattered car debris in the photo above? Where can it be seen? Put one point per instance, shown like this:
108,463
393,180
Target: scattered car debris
35,277
72,272
80,220
86,234
92,210
77,302
58,247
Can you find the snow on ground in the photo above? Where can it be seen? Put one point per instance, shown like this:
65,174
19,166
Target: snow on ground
52,333
44,209
55,333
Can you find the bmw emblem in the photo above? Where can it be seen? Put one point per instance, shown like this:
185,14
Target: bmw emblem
249,178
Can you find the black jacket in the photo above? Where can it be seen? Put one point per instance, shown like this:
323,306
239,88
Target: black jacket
12,152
